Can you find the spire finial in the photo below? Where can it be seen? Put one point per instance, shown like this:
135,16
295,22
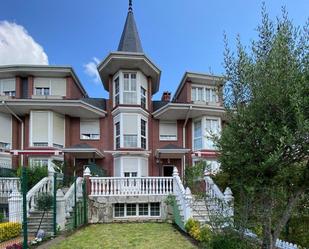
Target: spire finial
130,6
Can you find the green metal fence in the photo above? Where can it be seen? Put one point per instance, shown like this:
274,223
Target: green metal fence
27,219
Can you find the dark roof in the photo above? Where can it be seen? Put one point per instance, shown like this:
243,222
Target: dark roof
97,102
171,147
130,41
157,104
81,146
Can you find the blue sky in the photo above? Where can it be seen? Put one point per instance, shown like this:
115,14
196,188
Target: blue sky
178,35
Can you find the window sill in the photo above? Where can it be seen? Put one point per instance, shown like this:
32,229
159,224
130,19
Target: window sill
91,139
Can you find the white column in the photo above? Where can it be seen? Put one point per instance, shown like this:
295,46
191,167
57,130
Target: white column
188,201
60,209
15,206
228,197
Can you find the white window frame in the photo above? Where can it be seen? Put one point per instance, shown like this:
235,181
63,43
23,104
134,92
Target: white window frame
41,91
171,137
144,136
50,142
117,93
141,82
143,97
205,133
120,118
193,135
5,145
149,216
92,136
139,165
212,92
130,84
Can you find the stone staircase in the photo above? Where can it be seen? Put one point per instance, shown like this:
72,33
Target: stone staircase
199,210
34,219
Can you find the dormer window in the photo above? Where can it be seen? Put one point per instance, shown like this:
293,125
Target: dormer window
204,94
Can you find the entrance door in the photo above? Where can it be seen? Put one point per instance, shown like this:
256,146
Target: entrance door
168,170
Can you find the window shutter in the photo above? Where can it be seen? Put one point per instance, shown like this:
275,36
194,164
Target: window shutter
58,129
130,165
130,124
168,129
39,127
41,82
8,85
117,167
58,87
90,126
144,167
5,128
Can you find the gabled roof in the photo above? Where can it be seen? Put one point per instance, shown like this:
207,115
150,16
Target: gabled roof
130,41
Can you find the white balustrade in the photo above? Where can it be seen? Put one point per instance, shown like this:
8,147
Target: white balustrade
8,185
43,186
115,186
221,203
69,197
183,196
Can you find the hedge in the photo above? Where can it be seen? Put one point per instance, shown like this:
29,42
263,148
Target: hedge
9,230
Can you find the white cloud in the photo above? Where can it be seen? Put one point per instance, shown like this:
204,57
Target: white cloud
91,70
18,47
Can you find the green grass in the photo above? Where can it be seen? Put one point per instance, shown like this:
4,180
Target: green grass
127,235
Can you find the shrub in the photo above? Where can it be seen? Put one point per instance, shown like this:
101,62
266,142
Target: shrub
44,201
230,241
35,173
15,246
9,230
1,217
205,234
193,228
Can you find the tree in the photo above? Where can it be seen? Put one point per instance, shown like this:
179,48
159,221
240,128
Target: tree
264,148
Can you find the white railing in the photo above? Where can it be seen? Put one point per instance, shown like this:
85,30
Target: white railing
7,185
43,186
183,196
279,243
116,186
69,197
221,203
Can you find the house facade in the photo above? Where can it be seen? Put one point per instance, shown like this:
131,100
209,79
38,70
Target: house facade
46,115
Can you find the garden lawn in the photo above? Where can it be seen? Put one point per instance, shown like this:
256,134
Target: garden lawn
127,235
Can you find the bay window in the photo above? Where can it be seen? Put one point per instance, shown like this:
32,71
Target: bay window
5,131
130,131
204,131
90,129
46,129
130,88
198,144
8,87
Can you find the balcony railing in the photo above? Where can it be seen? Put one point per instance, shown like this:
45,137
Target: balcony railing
124,186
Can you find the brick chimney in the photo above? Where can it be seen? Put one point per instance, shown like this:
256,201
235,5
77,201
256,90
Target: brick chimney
166,96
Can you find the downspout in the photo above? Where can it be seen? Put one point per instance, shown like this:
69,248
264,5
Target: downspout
184,140
22,128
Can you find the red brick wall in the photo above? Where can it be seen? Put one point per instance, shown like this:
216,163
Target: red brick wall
73,91
18,87
185,93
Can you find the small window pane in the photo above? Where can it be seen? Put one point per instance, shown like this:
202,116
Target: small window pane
119,210
143,209
131,209
155,209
